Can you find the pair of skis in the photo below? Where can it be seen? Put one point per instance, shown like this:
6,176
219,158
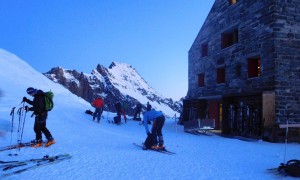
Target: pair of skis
21,166
19,145
164,151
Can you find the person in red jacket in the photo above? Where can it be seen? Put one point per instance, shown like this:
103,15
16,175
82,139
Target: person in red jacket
98,104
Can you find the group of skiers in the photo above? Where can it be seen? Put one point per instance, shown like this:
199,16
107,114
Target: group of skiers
98,104
121,109
154,138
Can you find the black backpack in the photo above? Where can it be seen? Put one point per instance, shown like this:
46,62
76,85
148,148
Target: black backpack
292,167
117,119
89,112
150,141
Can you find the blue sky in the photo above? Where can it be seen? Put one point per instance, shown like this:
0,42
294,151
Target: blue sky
153,36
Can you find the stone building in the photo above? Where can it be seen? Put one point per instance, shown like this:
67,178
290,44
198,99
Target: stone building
244,69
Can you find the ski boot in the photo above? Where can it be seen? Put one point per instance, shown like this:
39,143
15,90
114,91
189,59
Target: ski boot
50,142
158,147
37,143
155,147
161,147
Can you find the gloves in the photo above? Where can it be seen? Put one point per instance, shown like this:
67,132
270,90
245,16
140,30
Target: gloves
148,133
26,108
24,99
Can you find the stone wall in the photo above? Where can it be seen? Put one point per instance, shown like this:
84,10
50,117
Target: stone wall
268,29
254,39
286,34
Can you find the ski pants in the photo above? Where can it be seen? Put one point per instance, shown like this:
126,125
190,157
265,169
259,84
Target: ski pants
122,112
157,129
40,127
98,113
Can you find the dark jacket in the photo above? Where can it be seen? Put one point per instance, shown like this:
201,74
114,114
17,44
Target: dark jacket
118,107
38,103
138,107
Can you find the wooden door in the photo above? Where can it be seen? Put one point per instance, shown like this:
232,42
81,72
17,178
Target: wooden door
214,112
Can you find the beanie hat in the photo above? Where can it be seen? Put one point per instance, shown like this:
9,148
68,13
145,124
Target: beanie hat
31,90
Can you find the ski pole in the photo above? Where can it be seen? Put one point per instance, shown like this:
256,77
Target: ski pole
12,114
20,112
23,125
107,116
286,136
176,130
20,117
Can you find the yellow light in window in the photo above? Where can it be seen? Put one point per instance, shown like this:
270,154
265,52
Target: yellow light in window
233,1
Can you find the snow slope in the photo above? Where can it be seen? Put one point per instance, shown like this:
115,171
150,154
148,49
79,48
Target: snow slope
105,151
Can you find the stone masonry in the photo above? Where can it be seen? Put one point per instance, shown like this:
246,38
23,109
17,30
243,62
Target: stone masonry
267,30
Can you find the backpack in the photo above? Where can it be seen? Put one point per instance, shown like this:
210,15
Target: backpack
150,141
292,167
89,112
117,119
49,100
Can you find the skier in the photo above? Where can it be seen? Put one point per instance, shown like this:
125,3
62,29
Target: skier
124,109
148,106
138,111
158,120
121,110
118,107
98,104
38,108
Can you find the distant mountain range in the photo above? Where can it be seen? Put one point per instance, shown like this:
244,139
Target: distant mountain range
119,82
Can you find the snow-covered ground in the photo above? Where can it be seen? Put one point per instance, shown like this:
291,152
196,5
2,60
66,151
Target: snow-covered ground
105,151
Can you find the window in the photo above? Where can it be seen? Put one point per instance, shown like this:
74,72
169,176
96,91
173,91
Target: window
220,61
201,80
232,1
220,75
204,50
254,67
229,38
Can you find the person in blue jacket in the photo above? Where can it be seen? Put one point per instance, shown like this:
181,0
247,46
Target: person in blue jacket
158,120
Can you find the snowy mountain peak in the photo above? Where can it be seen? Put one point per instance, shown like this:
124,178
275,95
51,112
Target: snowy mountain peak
119,82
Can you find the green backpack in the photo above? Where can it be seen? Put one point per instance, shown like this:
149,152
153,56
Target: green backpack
49,100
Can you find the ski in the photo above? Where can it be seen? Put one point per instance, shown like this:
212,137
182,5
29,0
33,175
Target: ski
11,164
277,172
165,151
199,133
7,167
46,160
5,148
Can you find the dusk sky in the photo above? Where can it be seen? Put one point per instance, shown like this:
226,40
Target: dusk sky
154,36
